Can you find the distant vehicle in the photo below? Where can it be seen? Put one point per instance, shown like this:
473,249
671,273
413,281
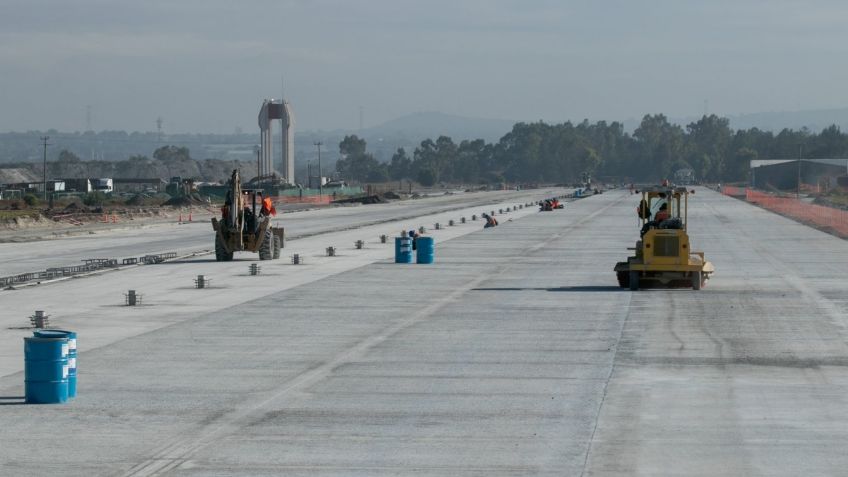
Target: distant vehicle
104,185
244,229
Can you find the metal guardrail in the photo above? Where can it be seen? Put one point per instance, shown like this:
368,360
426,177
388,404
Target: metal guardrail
89,265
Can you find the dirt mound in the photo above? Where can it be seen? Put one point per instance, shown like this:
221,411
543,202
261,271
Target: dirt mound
365,199
185,201
391,195
74,207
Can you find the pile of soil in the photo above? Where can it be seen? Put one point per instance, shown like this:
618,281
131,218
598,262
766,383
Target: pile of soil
73,208
365,199
185,201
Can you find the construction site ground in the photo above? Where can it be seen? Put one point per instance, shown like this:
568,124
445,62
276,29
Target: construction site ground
514,354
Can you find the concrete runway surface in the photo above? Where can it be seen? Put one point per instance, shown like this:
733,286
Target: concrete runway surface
187,237
514,354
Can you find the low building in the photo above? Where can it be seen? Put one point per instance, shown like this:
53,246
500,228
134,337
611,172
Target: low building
82,185
149,185
783,174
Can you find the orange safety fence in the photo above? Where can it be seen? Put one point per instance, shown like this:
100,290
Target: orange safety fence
733,190
836,220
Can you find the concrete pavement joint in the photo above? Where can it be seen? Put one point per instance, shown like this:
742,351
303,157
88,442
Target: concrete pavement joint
177,452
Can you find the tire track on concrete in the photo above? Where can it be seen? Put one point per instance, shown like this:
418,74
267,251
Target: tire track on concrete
175,453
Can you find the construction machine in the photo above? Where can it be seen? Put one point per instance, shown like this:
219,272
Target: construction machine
663,256
243,228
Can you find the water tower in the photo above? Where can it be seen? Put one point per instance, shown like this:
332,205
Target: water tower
271,110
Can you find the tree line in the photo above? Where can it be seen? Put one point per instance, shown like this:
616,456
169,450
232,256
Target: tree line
553,153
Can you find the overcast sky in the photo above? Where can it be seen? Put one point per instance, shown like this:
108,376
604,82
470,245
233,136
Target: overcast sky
206,65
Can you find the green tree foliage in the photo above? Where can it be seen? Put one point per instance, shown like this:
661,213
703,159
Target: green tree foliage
68,157
352,146
401,164
358,165
557,153
31,200
171,154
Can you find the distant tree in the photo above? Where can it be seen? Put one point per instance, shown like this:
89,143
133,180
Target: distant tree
31,200
352,146
437,158
68,157
170,154
426,176
739,165
709,140
378,173
400,166
358,165
659,144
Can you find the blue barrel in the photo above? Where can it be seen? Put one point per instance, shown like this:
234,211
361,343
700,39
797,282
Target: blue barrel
46,369
426,250
403,250
72,355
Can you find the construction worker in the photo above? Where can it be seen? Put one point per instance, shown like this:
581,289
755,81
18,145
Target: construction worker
268,207
490,221
413,234
662,214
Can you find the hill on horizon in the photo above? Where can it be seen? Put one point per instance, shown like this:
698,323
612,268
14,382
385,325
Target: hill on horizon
432,124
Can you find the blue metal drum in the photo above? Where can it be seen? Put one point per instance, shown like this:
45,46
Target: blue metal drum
72,355
403,250
426,250
46,369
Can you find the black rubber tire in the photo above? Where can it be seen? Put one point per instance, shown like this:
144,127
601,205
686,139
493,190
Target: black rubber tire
277,246
697,280
623,279
221,253
634,281
266,249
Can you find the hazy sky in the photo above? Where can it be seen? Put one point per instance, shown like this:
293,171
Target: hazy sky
205,65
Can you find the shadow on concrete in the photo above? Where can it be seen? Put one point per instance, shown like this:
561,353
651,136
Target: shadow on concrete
12,400
591,288
206,260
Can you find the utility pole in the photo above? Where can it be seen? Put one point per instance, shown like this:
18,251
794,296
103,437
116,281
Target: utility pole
320,177
44,143
798,190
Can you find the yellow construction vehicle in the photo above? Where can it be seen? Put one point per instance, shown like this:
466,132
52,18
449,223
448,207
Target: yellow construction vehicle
243,228
663,254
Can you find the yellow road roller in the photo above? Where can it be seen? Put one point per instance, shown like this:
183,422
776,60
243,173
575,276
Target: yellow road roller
663,256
